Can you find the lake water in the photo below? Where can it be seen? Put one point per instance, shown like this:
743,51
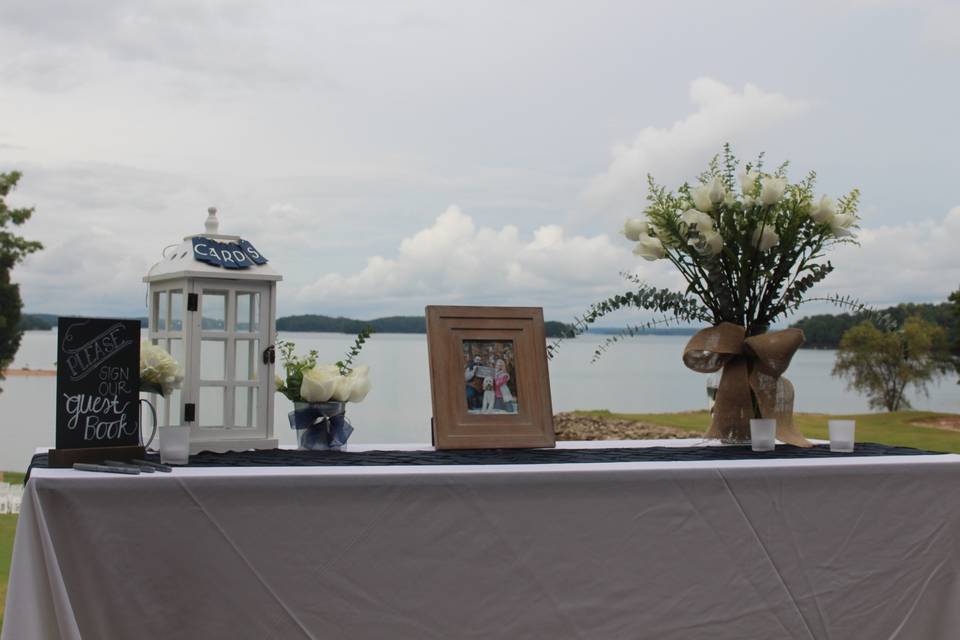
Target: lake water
641,375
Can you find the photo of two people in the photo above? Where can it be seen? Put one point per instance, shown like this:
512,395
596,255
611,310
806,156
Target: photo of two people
489,375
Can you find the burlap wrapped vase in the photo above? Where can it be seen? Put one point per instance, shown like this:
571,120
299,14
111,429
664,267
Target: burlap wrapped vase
752,383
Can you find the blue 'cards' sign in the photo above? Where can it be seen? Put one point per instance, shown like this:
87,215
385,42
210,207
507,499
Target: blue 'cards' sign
229,255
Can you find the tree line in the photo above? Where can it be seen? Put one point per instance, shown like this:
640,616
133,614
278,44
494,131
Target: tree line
826,330
308,322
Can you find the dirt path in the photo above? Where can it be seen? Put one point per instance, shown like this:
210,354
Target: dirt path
569,426
947,423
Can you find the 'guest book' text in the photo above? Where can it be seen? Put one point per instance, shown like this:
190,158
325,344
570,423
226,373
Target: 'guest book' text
98,381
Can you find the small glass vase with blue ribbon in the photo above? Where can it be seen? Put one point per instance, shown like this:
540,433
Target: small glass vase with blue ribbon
320,425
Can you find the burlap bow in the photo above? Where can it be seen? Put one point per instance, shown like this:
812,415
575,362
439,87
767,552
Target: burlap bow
749,364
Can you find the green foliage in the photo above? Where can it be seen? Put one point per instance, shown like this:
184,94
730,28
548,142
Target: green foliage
37,322
955,315
294,367
882,364
825,331
13,250
345,364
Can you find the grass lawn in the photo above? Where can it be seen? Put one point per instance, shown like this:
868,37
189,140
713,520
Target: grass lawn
899,428
7,525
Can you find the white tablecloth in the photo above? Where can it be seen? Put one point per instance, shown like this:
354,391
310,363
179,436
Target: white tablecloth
823,548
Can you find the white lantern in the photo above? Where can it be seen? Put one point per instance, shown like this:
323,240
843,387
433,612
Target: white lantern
212,306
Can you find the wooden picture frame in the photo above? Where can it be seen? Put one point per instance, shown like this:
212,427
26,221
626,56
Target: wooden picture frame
516,409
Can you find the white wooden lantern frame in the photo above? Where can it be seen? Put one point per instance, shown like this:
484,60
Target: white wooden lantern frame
220,325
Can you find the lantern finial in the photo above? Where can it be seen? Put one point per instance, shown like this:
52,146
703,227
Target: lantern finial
212,225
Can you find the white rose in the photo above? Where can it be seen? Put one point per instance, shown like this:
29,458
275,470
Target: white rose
713,243
765,238
717,192
649,248
319,384
824,211
708,243
748,182
699,219
842,224
278,382
748,201
343,388
701,198
634,227
360,383
771,189
730,200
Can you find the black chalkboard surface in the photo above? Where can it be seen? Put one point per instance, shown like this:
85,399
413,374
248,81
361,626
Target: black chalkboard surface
98,382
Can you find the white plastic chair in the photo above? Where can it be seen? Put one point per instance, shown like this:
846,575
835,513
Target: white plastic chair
16,498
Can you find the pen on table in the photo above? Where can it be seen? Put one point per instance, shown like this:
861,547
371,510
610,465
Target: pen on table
130,465
155,465
102,468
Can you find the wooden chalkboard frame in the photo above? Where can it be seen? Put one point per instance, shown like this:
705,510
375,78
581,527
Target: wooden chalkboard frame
98,365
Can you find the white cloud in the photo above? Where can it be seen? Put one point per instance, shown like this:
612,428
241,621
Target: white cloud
941,27
676,153
456,260
912,262
94,273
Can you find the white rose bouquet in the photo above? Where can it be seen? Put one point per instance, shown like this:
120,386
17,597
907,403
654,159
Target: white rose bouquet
750,245
307,381
159,372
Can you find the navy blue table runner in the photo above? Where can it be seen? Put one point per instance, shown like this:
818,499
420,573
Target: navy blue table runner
294,458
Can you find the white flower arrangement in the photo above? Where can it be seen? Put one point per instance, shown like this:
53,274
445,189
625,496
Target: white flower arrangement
159,372
307,381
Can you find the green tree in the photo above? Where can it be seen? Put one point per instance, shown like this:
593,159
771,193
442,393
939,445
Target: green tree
954,300
13,249
882,364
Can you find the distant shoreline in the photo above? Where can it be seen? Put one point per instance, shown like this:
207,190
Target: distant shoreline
29,373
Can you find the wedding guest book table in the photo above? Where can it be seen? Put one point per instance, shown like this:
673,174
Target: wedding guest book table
679,541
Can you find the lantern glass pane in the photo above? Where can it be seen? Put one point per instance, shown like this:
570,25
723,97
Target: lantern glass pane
176,310
211,406
247,352
160,311
214,307
176,411
175,349
213,358
245,407
248,311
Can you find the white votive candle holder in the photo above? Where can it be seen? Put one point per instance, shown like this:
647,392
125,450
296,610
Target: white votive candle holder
763,434
174,445
841,435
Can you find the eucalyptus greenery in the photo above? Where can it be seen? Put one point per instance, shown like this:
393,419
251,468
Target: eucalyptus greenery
749,244
346,364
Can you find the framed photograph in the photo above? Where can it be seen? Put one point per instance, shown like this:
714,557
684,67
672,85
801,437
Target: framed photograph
489,377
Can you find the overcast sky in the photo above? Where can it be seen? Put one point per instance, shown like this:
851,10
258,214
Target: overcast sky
388,155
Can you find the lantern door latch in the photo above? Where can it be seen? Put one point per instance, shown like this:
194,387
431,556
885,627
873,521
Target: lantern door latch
269,355
189,412
193,301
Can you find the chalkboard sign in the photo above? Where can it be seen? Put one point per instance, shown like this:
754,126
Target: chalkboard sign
98,382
